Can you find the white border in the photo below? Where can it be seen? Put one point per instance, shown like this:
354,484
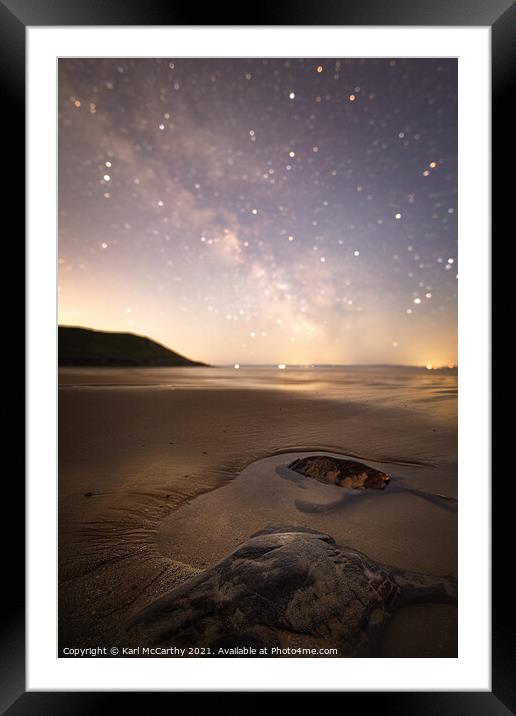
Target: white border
471,670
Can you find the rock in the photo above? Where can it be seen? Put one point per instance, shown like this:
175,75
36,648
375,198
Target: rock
345,473
287,583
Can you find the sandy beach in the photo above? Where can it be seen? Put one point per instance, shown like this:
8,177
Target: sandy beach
162,472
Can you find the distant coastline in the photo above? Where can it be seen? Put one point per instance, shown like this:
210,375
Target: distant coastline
87,347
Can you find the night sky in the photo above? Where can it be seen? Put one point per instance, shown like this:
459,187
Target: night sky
262,210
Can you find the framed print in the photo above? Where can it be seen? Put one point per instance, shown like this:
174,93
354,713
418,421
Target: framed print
258,343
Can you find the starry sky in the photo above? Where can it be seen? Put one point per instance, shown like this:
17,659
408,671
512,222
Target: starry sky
262,211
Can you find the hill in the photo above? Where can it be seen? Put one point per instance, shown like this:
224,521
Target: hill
86,347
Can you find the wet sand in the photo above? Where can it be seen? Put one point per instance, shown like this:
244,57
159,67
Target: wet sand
178,464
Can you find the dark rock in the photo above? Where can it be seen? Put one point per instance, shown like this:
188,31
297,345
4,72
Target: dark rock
284,583
345,473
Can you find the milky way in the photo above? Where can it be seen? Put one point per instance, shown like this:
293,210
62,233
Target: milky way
262,210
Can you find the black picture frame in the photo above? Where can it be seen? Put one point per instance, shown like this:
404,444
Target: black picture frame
500,15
